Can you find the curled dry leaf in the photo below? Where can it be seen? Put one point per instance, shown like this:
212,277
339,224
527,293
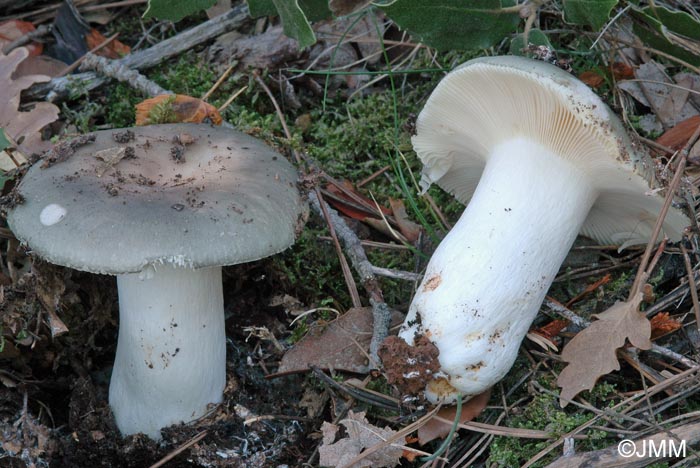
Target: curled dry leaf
593,352
175,108
114,50
662,324
437,429
23,127
13,30
361,435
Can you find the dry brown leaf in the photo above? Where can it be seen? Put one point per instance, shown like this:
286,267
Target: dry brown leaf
23,127
676,137
14,29
662,324
593,352
435,429
670,103
592,79
408,228
340,345
175,108
361,435
39,65
552,329
114,50
622,71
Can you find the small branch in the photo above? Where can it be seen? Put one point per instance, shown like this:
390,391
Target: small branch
618,456
42,30
59,88
117,70
353,247
397,274
691,284
179,450
642,273
73,66
581,323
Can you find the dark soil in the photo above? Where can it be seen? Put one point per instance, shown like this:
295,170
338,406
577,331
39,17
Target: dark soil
65,381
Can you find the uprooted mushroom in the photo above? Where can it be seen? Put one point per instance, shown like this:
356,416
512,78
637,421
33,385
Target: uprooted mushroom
538,158
122,206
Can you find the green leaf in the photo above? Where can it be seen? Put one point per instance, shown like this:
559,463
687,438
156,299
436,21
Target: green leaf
536,38
315,10
454,24
175,10
258,8
593,13
295,23
674,32
4,142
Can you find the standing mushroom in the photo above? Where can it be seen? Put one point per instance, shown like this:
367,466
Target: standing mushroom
539,158
162,207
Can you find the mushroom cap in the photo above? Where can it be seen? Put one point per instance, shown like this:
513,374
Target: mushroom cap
490,100
232,200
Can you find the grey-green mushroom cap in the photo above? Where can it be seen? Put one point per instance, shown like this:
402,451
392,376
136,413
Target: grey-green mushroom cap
190,195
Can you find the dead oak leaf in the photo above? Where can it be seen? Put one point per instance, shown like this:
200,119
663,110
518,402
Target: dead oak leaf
23,127
176,108
437,429
592,353
341,345
361,436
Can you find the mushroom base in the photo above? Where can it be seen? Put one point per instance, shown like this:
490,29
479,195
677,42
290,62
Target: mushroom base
487,279
171,353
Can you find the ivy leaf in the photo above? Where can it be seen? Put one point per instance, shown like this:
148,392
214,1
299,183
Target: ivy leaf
4,142
593,13
454,24
258,8
536,38
674,32
296,16
294,22
175,10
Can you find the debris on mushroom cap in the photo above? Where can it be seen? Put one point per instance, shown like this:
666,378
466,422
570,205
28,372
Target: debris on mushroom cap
489,100
121,202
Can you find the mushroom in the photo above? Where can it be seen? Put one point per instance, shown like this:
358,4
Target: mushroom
538,158
125,206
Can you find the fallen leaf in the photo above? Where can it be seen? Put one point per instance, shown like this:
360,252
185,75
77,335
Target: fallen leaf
662,324
676,137
114,50
23,127
14,29
436,429
408,228
552,329
622,71
670,103
39,65
592,353
592,79
341,345
361,436
175,108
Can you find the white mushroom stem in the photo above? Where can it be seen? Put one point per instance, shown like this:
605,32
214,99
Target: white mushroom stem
171,352
486,280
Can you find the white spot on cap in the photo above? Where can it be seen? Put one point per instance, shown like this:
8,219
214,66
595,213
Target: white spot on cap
52,214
